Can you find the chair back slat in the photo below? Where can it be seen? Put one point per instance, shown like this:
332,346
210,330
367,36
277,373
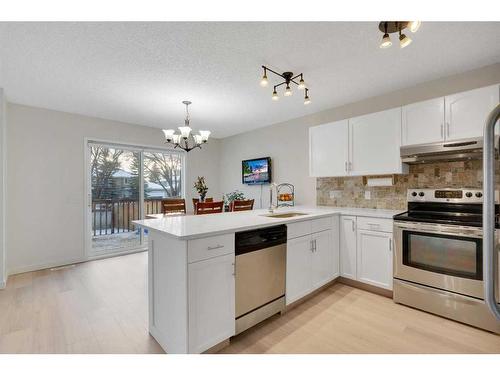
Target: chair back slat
173,205
203,208
245,205
196,200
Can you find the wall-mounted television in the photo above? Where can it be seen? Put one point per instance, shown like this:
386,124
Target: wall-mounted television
256,171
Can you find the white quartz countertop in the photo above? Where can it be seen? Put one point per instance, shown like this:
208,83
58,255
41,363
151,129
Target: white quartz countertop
185,227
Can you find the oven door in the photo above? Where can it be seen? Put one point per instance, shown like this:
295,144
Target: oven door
447,257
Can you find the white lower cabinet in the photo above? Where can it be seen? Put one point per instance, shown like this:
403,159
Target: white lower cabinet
374,258
366,250
313,259
348,247
211,302
298,268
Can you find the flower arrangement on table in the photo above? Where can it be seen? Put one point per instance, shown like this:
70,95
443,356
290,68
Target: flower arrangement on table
201,187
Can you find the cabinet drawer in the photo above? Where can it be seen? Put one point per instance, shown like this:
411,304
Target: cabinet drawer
298,229
210,247
319,225
376,224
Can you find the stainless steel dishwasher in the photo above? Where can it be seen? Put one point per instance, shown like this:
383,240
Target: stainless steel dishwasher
260,275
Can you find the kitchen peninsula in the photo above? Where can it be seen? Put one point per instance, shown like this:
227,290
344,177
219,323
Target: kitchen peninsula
192,265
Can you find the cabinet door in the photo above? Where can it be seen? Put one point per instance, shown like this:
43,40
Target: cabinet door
328,149
374,143
348,247
298,268
374,258
423,122
466,112
211,302
323,258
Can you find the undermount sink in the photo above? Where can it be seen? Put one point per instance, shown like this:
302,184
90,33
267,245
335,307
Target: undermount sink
285,215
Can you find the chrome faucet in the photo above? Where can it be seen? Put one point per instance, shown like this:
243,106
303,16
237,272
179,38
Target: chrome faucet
271,206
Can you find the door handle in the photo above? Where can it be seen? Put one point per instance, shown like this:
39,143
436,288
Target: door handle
490,262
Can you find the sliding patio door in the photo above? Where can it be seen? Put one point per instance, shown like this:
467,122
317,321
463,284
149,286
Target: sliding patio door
126,183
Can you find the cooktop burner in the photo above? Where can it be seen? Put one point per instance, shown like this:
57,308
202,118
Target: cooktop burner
446,206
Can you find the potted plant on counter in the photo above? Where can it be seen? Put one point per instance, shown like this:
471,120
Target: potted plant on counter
232,196
201,187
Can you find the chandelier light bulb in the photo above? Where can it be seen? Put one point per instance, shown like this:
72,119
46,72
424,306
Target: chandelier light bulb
197,139
185,131
204,135
288,91
414,26
404,41
302,84
275,96
176,138
386,41
264,82
169,133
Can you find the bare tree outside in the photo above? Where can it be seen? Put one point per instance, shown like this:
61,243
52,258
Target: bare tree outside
165,170
104,162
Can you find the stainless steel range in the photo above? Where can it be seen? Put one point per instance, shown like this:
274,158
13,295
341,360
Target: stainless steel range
438,257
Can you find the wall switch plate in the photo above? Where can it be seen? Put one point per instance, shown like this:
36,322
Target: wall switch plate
334,194
368,194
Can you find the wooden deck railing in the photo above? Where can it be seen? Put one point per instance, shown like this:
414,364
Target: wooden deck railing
111,216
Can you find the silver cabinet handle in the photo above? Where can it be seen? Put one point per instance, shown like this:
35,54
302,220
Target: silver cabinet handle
352,222
390,244
312,246
234,268
215,247
345,167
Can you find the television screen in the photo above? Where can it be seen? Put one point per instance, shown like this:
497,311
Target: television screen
256,171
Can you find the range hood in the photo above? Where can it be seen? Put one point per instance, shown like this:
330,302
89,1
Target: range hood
465,149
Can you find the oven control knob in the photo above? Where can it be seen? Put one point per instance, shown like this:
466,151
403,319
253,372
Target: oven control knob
421,194
414,194
479,194
468,194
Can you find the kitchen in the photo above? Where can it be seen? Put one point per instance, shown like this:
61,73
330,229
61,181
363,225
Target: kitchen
361,225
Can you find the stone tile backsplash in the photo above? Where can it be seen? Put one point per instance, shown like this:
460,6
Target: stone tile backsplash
350,191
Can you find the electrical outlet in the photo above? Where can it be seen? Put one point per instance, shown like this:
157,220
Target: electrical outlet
368,194
334,194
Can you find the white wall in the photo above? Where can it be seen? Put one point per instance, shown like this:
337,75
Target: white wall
45,181
287,142
3,150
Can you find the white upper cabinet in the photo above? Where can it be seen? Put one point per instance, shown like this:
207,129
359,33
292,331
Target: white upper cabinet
466,112
328,149
374,143
423,122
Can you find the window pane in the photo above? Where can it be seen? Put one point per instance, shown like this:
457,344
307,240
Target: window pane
115,192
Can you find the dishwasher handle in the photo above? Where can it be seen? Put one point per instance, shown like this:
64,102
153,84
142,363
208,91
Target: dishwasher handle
254,240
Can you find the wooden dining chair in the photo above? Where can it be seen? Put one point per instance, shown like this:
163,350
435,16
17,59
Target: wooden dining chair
244,205
173,206
196,200
203,208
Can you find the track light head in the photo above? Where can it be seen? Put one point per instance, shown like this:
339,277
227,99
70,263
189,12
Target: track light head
275,96
306,98
404,40
302,84
288,91
386,41
264,82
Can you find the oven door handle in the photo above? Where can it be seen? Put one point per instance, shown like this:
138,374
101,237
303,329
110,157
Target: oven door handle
490,253
472,233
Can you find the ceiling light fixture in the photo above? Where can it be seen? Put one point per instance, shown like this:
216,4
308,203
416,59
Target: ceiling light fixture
288,78
186,140
389,27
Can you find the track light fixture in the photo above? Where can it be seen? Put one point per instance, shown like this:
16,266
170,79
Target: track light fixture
389,27
288,79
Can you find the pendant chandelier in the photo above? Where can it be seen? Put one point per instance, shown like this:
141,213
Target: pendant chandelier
389,27
288,79
186,140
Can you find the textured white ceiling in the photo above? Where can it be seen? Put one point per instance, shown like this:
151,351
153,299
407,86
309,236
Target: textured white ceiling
140,72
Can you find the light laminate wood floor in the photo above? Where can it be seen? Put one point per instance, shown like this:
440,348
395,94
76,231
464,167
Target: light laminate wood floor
101,307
